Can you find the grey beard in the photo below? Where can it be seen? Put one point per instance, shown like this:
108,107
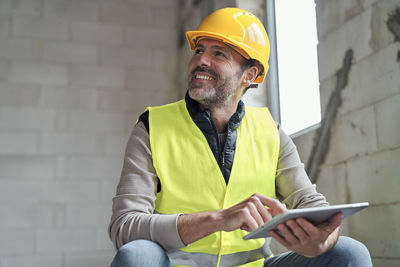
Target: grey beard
217,100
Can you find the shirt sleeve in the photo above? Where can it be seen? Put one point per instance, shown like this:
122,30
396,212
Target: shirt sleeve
293,187
133,214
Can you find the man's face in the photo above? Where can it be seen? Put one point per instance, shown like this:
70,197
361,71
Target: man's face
214,73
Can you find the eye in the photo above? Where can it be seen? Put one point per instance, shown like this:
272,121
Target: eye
198,50
220,54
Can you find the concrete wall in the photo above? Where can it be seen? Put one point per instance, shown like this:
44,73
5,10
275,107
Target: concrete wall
74,76
362,163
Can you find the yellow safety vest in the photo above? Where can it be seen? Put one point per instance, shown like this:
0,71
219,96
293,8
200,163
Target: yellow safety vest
191,180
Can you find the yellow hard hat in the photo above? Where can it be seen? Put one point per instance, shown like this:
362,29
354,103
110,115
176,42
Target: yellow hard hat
239,29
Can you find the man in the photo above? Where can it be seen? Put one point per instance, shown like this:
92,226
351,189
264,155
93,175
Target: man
201,173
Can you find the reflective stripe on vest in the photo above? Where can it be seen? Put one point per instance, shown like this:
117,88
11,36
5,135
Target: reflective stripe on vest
191,180
183,258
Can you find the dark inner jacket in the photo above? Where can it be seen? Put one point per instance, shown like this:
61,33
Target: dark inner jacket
204,121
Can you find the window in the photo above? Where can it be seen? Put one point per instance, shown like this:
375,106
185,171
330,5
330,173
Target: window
297,64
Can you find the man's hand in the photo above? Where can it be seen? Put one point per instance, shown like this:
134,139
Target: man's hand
247,215
302,237
250,214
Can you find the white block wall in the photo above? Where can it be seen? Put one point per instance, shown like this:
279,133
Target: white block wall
74,77
362,162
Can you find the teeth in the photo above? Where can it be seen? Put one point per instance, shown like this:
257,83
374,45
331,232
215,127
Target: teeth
204,77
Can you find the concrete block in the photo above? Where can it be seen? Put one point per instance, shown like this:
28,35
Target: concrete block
304,144
367,3
165,59
88,215
380,34
252,6
352,135
61,52
97,76
46,29
97,33
5,7
154,3
227,3
62,163
333,185
16,49
165,18
18,143
140,81
38,73
372,79
115,144
148,98
94,167
31,214
108,189
33,8
4,25
377,227
379,262
91,259
38,260
69,98
131,119
125,56
21,95
65,143
54,240
96,122
331,15
21,191
27,119
61,192
126,14
103,240
4,70
252,98
71,10
152,37
374,178
62,120
332,49
27,166
387,127
117,100
16,241
41,260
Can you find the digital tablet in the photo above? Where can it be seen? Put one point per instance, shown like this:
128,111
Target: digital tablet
314,215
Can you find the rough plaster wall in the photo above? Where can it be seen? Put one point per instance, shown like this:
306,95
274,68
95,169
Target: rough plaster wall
362,161
74,76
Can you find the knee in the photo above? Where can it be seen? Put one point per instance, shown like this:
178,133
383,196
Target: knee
140,253
350,252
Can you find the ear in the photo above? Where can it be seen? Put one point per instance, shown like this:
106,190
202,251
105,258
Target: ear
249,75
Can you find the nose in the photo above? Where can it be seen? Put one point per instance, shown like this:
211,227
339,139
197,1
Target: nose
204,59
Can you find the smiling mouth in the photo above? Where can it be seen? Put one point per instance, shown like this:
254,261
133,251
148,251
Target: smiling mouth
203,77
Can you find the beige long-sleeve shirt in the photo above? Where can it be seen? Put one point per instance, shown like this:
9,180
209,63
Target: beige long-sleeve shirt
133,215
